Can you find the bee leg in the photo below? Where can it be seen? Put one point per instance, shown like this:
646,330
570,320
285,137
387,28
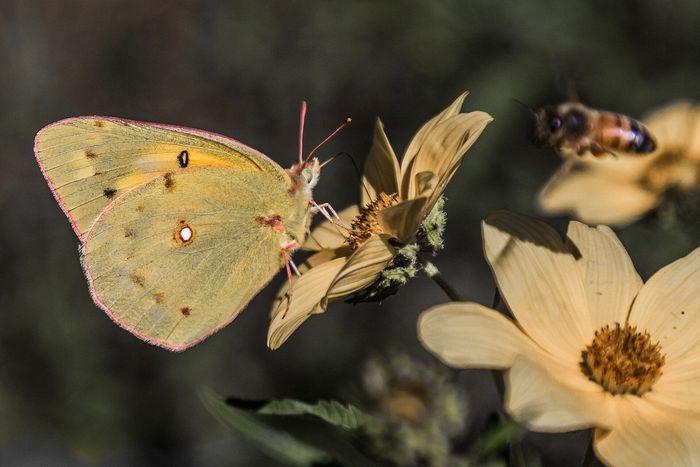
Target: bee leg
598,150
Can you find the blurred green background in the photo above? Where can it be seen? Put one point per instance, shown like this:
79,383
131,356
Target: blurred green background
75,389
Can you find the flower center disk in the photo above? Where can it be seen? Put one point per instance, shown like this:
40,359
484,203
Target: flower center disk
366,223
623,360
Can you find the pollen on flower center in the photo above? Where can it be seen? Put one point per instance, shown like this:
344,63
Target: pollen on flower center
366,223
623,360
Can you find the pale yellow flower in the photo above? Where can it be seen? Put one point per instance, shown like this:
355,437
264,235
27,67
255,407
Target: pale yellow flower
591,344
395,199
617,190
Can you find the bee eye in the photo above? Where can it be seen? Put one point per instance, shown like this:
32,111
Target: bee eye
555,124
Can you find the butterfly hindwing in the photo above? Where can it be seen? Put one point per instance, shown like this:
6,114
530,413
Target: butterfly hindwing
178,257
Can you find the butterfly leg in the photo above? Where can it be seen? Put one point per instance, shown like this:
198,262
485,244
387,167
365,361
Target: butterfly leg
289,266
326,210
329,213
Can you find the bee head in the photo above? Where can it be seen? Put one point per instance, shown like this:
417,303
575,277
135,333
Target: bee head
549,125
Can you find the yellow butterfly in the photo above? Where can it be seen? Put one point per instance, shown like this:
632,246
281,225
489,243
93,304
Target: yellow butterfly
179,228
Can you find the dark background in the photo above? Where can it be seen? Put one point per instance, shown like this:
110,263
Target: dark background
76,389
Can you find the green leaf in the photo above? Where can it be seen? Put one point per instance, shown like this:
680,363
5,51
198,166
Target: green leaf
348,416
497,438
277,444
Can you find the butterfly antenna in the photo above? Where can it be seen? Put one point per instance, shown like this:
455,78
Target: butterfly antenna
342,125
529,109
302,117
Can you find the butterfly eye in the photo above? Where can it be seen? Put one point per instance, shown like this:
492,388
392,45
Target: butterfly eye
555,124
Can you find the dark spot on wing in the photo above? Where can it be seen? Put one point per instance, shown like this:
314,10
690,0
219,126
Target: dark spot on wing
140,208
128,233
137,280
98,173
169,182
183,159
90,154
99,123
110,192
186,311
159,297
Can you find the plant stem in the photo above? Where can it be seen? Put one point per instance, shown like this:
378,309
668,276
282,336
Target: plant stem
589,457
434,273
516,451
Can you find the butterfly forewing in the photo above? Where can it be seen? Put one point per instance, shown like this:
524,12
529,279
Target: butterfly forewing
178,257
90,161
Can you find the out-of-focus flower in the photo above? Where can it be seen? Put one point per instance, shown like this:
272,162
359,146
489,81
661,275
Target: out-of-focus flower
617,190
395,200
591,344
417,410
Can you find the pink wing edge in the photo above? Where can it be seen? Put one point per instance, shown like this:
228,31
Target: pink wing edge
193,131
84,237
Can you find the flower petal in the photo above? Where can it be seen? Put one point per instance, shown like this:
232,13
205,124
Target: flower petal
594,196
381,172
328,234
442,151
539,281
645,434
679,385
401,221
668,307
307,292
469,335
611,282
423,133
362,268
546,395
453,147
677,126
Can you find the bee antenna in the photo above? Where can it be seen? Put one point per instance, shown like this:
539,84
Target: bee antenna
572,91
529,109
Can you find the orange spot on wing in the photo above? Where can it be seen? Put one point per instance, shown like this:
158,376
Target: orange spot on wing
274,221
137,280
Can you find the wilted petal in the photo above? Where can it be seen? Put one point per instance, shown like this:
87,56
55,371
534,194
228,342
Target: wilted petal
539,281
645,434
668,307
442,152
308,291
362,268
593,196
611,282
402,220
549,396
469,335
329,234
381,172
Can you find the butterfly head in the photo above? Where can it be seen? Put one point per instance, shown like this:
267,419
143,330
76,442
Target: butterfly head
310,173
305,176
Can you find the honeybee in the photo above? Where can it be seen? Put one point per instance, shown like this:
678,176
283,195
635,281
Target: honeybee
573,126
